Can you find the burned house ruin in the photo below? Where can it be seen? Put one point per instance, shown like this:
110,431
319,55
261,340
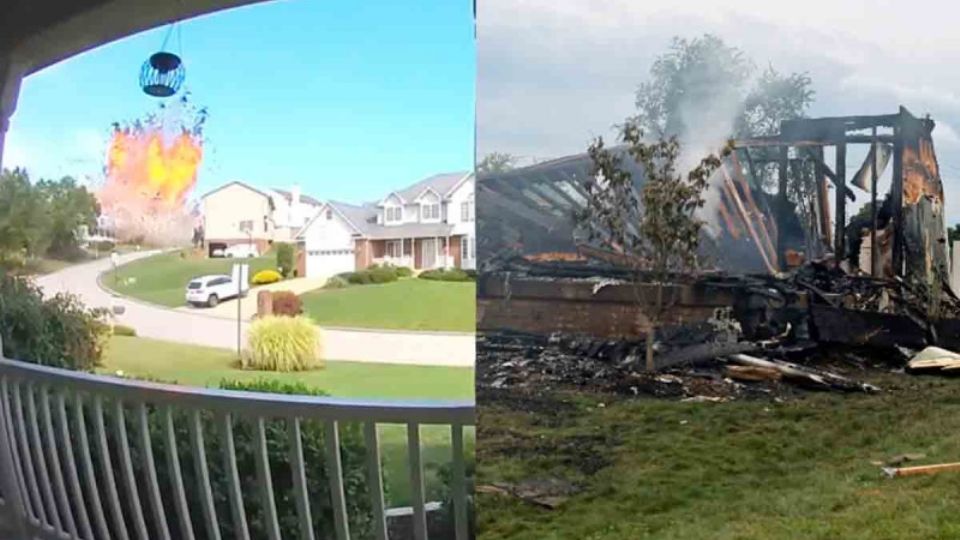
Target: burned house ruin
780,249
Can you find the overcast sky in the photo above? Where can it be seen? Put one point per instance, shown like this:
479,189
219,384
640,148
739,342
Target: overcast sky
552,74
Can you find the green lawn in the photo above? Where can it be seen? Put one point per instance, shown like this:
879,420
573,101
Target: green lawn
162,279
653,468
202,366
408,304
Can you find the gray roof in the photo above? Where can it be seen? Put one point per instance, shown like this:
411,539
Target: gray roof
363,217
410,230
442,183
303,198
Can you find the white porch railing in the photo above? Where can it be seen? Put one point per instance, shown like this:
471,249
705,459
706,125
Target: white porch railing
67,472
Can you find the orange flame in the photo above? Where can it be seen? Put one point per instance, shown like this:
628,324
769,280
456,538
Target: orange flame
141,165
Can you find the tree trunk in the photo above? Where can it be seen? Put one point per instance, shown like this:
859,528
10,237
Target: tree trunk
652,326
651,334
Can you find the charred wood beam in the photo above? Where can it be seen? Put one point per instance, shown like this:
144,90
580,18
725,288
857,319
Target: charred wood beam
823,380
823,203
897,190
748,221
780,140
874,248
702,352
755,210
817,155
840,237
519,210
818,127
782,171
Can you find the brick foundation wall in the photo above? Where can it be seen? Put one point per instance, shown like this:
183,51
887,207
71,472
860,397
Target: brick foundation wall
545,306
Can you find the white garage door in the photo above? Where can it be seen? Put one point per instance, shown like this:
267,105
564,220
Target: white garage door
328,262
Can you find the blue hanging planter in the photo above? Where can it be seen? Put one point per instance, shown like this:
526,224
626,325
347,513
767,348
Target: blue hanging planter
162,75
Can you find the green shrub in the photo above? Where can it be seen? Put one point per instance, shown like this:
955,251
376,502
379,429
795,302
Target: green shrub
335,282
122,330
283,344
58,331
287,304
404,271
313,439
374,274
357,278
453,274
382,275
265,277
286,257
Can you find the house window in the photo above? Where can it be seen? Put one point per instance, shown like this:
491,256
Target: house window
468,247
329,214
466,211
431,212
394,214
246,225
394,249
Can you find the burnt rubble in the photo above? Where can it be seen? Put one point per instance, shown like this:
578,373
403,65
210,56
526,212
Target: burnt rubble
772,338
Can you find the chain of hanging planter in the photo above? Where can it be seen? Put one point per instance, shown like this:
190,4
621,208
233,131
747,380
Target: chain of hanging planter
163,73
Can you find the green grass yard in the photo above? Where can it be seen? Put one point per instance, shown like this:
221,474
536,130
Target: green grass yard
162,279
201,366
654,468
408,304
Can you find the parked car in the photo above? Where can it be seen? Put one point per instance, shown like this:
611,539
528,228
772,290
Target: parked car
210,290
241,251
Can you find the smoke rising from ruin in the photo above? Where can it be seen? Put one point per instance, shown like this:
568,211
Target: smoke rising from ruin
708,124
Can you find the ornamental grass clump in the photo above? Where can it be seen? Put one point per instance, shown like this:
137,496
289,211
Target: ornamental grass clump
283,344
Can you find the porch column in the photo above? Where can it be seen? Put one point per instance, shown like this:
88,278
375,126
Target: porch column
436,249
9,90
446,253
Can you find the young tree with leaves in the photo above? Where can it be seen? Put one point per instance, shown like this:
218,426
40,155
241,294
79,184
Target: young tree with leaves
653,223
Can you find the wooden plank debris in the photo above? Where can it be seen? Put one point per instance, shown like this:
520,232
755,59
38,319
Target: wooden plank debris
894,472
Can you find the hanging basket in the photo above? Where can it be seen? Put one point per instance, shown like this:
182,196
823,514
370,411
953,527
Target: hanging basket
162,75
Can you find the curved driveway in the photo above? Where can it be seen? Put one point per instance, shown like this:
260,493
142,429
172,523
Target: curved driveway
196,328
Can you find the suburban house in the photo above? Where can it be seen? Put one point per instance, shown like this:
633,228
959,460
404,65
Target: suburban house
238,213
427,225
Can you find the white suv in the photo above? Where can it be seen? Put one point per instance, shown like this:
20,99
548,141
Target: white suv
210,290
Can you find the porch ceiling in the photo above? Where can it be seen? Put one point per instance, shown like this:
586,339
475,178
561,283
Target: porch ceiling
38,33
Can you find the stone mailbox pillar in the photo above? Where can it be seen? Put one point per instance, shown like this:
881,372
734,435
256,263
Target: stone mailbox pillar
264,304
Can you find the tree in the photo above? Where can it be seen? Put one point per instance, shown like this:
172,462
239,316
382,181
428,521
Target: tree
24,220
656,226
496,162
953,234
774,97
43,218
69,206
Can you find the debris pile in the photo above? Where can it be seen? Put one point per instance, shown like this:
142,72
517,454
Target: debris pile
516,360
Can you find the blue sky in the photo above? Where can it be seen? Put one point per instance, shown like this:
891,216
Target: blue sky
348,99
